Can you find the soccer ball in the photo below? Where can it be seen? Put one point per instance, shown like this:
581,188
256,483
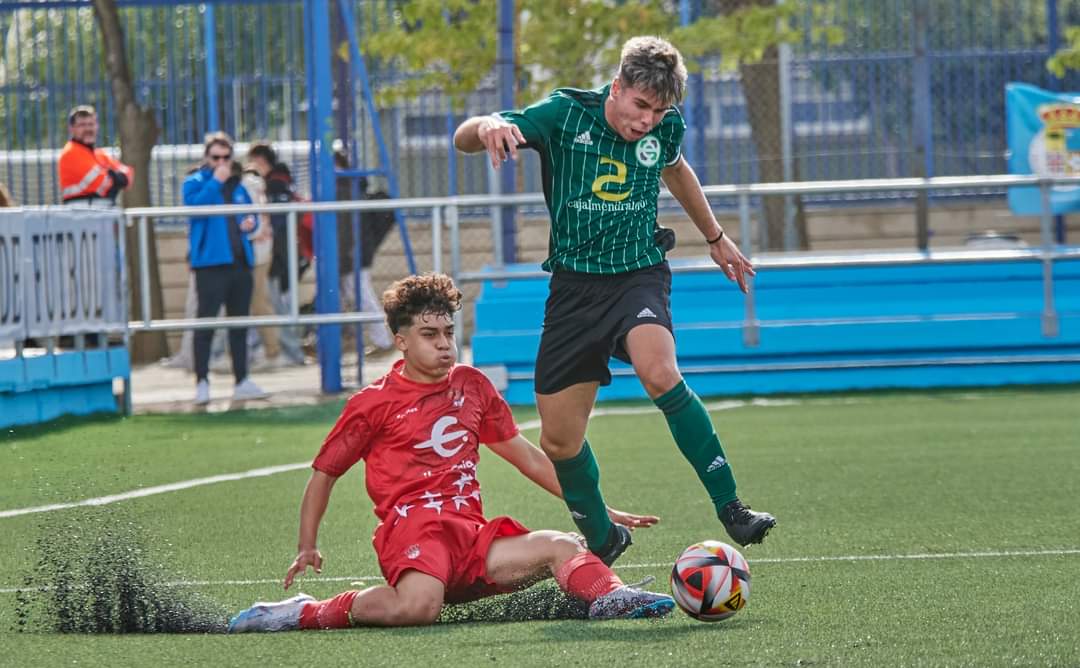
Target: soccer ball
710,581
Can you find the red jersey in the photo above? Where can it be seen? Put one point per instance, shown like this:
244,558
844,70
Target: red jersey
419,441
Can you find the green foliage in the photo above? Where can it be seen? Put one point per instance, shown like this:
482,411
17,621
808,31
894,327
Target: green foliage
1068,57
575,42
744,35
448,44
451,44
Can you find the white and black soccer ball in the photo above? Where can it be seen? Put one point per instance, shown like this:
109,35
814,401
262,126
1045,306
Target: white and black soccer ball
710,581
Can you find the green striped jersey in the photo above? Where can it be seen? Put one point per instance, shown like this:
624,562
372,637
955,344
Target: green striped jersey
601,190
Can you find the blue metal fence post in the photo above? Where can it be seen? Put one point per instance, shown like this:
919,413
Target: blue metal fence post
504,67
1053,38
321,97
386,169
210,43
1053,43
694,111
922,160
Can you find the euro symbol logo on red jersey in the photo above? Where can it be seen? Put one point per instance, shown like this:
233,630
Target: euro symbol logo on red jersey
439,437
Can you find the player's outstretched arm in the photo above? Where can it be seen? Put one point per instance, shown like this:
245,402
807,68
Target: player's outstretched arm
491,133
312,508
683,183
535,465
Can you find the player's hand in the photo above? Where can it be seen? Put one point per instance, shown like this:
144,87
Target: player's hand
630,520
304,558
500,139
733,263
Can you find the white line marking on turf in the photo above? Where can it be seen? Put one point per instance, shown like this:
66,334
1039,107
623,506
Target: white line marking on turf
285,468
767,560
897,557
158,489
642,410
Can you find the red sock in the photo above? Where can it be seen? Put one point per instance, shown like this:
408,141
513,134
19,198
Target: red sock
331,614
584,576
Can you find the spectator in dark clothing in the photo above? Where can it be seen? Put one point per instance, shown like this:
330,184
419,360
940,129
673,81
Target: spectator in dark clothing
279,190
374,225
222,259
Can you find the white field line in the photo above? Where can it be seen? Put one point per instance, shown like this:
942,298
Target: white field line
358,579
285,468
158,489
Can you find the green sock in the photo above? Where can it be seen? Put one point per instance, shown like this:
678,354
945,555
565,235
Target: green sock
697,440
579,477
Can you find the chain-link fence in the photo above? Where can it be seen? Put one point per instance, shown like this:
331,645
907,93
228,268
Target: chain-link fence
811,110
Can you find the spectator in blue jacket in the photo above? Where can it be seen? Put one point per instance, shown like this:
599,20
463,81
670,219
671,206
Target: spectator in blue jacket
221,256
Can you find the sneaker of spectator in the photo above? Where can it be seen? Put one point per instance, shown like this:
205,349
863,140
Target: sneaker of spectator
247,389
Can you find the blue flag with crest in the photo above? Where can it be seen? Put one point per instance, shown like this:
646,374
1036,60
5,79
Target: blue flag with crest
1044,138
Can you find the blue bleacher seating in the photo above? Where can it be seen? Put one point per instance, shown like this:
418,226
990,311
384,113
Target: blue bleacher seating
828,328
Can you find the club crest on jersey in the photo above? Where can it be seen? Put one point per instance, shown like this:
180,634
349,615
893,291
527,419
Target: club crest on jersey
648,150
439,437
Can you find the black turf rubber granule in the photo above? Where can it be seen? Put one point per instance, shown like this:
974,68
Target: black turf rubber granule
543,601
94,573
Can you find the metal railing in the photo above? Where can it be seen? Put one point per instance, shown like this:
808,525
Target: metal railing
446,213
1047,252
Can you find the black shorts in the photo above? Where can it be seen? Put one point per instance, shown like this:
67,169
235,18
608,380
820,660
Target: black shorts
587,318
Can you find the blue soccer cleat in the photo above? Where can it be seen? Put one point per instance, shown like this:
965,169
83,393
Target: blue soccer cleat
631,602
280,616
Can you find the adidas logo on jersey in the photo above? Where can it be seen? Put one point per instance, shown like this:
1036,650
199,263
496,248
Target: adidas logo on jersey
584,138
646,313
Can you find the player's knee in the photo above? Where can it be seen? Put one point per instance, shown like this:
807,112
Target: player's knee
418,611
567,545
559,446
658,378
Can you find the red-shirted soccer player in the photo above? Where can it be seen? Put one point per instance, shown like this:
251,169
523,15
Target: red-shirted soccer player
418,430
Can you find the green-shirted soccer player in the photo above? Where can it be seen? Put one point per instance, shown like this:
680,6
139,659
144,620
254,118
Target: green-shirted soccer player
603,153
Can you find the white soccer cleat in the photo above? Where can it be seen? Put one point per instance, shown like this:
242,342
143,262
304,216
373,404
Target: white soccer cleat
247,389
631,602
202,393
280,616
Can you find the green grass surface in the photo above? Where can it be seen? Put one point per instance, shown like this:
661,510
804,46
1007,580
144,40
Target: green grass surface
965,476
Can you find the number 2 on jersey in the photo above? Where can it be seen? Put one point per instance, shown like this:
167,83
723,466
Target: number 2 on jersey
619,177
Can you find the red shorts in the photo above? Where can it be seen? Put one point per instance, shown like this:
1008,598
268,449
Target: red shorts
452,548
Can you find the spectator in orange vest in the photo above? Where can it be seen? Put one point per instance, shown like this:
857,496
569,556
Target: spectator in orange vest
89,175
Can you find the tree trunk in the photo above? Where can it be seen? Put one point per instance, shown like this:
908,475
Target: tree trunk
138,133
761,89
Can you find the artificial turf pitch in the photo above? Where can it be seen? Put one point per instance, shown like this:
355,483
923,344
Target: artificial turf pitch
914,529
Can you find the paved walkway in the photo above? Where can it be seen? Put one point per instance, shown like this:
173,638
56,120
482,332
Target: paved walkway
158,389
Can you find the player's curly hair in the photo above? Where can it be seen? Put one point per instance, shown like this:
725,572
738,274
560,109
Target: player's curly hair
655,65
429,294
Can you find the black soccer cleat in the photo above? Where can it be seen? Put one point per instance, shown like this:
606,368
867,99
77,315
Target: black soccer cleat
744,525
617,542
